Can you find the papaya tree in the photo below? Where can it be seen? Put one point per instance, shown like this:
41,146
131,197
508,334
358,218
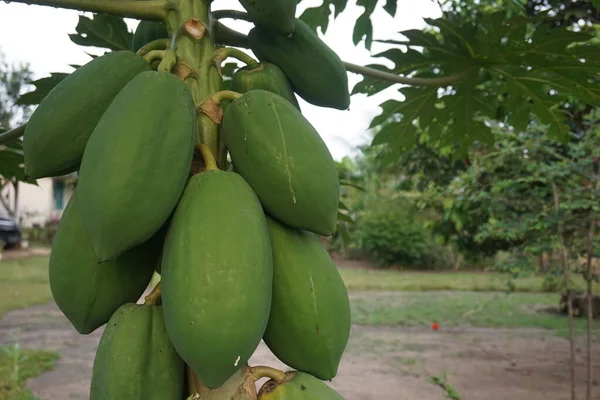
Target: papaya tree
223,186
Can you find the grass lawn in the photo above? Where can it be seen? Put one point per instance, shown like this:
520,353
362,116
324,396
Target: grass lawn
23,283
390,280
454,309
17,365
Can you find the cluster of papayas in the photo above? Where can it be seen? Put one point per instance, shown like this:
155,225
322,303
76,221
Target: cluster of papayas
235,245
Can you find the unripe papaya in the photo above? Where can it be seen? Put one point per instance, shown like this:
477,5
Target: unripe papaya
265,76
148,31
297,386
217,275
278,15
59,128
135,359
88,293
309,323
136,162
315,71
284,159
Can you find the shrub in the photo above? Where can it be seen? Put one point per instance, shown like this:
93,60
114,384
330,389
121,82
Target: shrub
391,233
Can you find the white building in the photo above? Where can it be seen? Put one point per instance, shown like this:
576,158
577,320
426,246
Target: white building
38,204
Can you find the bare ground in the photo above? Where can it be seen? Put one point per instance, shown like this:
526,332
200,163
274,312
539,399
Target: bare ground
380,363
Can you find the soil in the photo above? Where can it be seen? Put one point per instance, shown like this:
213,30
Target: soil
379,363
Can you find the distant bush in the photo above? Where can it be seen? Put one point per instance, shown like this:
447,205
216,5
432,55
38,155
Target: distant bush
391,233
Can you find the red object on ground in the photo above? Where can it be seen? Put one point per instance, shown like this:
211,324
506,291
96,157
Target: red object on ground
435,326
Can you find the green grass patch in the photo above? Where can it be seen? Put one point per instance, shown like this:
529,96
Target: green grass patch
490,310
23,283
390,280
17,365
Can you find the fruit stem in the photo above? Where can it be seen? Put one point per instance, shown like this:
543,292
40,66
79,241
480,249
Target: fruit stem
152,298
207,155
12,134
159,44
226,52
223,95
152,10
154,55
168,61
194,385
267,372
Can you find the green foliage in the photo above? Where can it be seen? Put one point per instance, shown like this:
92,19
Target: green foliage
320,16
14,79
489,310
17,365
506,69
392,234
393,280
105,31
24,283
43,86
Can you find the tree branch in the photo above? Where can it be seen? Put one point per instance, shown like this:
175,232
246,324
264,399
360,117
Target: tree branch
12,134
565,267
229,37
232,14
155,10
590,311
386,76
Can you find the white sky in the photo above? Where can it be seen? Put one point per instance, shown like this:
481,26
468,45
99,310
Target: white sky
39,36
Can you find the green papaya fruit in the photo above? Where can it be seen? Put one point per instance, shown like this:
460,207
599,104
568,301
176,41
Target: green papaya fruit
217,275
309,322
59,128
278,15
135,359
87,292
265,76
148,31
297,386
315,71
136,162
284,159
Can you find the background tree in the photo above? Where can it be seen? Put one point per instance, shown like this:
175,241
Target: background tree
14,81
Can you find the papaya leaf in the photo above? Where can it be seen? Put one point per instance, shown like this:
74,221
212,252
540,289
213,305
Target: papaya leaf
513,69
342,206
104,31
11,160
363,29
316,17
43,86
344,217
391,7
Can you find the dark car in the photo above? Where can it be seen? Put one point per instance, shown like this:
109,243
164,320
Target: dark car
10,233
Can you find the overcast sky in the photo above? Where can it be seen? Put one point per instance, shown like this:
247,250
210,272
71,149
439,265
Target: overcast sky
39,36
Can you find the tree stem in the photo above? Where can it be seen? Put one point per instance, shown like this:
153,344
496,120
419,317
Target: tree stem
229,37
155,10
564,265
386,76
12,134
589,289
232,14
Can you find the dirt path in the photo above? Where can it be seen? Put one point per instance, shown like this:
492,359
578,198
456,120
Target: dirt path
380,363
